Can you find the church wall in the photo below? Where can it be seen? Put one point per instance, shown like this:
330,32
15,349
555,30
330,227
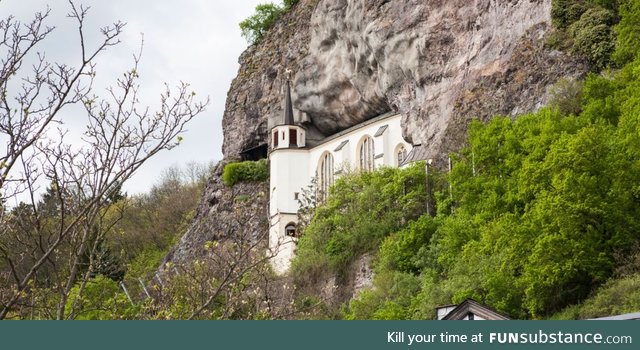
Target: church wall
288,175
293,169
281,246
346,159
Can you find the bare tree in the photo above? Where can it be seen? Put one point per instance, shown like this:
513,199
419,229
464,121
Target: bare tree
61,235
232,280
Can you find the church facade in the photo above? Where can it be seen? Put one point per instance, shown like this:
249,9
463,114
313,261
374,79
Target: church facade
294,165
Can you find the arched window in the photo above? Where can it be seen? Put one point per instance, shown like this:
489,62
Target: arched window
290,229
365,154
401,154
325,175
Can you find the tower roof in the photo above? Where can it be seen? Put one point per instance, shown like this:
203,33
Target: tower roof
288,106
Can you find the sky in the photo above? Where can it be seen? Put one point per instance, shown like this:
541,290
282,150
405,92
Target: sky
194,41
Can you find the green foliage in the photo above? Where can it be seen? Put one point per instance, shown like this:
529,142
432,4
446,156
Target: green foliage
289,3
248,171
618,296
389,300
566,12
585,28
402,250
566,96
254,27
342,229
101,299
541,211
594,37
628,32
266,15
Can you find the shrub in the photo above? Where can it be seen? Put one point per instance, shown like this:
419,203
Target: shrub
593,37
248,171
289,3
566,96
585,28
254,27
628,33
565,12
618,296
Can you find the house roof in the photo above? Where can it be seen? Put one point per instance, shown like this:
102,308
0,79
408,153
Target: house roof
471,306
631,316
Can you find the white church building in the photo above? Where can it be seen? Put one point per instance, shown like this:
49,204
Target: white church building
293,166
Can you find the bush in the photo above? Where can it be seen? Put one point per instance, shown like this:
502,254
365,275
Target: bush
585,28
254,27
342,229
566,96
594,37
617,297
628,33
565,12
289,3
248,171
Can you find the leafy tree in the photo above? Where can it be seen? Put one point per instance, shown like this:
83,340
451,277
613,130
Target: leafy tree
628,32
254,27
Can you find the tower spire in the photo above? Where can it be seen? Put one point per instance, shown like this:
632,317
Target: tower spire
288,105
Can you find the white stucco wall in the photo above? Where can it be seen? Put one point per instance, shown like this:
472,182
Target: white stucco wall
288,175
281,247
347,158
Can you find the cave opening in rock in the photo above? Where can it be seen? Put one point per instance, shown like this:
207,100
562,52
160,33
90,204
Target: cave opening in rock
254,153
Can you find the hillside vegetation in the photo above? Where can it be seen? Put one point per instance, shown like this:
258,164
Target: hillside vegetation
538,214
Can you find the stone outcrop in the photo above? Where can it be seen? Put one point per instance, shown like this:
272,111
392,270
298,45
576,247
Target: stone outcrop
223,212
439,63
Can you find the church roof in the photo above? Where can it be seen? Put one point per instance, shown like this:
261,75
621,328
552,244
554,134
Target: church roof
381,130
419,152
288,106
341,145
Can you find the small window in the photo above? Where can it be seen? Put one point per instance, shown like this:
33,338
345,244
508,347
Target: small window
290,229
275,139
471,316
296,195
293,137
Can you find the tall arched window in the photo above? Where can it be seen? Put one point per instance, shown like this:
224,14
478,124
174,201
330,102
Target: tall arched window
325,175
401,154
365,154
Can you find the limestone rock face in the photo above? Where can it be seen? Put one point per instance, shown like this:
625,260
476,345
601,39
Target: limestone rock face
439,63
224,212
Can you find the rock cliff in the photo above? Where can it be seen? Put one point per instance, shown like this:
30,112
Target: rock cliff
439,63
238,211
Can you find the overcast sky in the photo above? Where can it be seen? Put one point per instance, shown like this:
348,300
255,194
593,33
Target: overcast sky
195,41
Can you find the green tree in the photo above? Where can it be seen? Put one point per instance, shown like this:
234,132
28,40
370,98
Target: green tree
254,27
